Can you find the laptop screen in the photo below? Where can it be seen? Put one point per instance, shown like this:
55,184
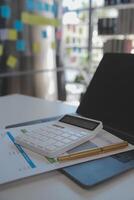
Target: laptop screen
110,94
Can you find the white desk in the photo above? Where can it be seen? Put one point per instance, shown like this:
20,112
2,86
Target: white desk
54,185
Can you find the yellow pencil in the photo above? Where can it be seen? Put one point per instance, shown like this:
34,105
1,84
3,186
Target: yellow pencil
94,151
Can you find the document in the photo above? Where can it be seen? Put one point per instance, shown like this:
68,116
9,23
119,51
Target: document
17,162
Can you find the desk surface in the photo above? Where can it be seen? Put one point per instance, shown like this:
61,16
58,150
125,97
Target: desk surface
54,185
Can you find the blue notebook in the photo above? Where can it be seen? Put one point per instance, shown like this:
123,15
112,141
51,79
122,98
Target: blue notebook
94,172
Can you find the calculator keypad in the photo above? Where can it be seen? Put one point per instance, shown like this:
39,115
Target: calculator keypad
50,138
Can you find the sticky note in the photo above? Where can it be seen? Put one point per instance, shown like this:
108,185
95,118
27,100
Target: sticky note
20,45
39,6
53,45
44,34
36,47
18,25
46,7
54,9
3,34
5,11
1,49
30,6
11,61
35,19
12,34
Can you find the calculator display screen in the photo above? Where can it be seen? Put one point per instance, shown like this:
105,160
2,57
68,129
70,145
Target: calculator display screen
80,122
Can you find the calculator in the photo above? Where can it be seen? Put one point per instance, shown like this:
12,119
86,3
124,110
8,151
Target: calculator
54,138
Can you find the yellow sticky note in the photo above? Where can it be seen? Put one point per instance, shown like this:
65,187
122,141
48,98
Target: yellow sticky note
36,47
1,49
11,61
12,34
53,45
34,19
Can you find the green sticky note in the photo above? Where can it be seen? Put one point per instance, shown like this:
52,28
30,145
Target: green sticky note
12,34
11,61
1,49
35,19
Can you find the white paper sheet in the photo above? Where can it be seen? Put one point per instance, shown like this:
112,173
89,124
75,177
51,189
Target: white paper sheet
17,162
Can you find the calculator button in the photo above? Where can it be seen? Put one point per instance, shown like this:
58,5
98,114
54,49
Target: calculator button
39,146
84,133
65,134
58,133
59,138
66,141
59,144
52,135
50,141
73,137
79,135
50,148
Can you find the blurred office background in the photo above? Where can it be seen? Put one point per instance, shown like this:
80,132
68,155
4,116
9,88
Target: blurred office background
51,48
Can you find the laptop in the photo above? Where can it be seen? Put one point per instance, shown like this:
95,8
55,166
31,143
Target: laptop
110,99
